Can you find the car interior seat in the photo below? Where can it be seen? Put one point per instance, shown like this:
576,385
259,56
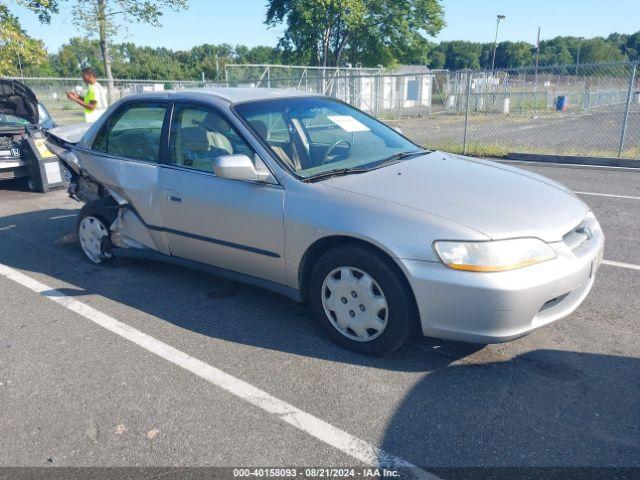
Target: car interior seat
195,150
263,131
216,127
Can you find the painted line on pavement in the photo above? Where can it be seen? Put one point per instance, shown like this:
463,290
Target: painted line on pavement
629,266
630,197
314,426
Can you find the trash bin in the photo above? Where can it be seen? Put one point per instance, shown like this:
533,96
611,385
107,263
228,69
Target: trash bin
562,102
636,97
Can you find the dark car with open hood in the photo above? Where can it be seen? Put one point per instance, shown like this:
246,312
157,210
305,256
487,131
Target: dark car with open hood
22,118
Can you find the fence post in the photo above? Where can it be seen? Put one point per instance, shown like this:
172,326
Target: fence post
466,113
421,86
397,97
626,110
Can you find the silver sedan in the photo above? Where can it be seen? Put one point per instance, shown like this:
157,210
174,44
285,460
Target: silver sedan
316,200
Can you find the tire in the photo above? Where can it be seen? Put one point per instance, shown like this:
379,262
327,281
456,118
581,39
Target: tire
371,310
94,235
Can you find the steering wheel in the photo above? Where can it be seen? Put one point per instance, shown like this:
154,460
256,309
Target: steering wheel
330,150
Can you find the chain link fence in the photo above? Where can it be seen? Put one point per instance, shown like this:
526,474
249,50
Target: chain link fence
585,110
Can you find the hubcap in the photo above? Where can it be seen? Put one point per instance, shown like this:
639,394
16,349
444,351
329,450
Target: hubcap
355,304
93,236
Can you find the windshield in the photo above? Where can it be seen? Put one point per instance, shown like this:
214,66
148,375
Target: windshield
45,120
316,135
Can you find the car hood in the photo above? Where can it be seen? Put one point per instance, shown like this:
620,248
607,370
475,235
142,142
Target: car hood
17,99
494,199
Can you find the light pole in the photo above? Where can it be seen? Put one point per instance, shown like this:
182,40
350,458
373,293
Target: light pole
495,42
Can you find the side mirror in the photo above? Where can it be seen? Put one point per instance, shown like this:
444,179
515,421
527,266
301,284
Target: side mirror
235,167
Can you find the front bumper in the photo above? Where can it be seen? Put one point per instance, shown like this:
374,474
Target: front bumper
12,167
503,306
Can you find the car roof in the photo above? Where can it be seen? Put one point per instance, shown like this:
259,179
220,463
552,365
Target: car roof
230,95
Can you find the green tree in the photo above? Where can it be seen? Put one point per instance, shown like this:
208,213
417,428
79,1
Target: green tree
17,49
631,47
556,52
461,55
437,59
132,61
514,55
100,18
210,59
324,32
596,50
73,56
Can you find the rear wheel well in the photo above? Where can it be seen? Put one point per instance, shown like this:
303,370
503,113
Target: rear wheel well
316,250
104,208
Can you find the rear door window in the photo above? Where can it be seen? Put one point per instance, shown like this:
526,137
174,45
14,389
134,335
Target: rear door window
133,132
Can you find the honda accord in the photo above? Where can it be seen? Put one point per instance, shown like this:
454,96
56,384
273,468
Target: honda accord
312,198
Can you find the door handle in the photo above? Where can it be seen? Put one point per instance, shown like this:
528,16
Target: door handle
172,196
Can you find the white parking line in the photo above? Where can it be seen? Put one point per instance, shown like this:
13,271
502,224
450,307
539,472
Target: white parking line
630,266
630,197
314,426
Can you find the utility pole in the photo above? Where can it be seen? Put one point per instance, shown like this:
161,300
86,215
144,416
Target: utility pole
495,42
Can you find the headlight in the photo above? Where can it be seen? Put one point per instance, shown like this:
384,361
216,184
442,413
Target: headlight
493,256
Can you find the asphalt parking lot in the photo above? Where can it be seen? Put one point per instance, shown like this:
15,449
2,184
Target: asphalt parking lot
146,364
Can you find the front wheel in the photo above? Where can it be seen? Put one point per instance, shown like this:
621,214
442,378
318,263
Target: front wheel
93,232
362,300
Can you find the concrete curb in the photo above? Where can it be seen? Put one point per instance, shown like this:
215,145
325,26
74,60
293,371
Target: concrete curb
574,160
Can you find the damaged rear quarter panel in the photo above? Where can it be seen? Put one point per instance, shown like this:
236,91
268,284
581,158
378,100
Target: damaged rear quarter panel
135,181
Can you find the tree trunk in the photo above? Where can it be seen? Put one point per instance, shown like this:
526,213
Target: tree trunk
326,38
343,43
104,46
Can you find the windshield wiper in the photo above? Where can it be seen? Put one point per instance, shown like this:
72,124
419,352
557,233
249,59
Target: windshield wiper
396,157
337,172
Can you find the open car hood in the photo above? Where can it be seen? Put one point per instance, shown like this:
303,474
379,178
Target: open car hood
17,99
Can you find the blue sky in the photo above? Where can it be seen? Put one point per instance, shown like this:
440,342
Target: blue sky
241,22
